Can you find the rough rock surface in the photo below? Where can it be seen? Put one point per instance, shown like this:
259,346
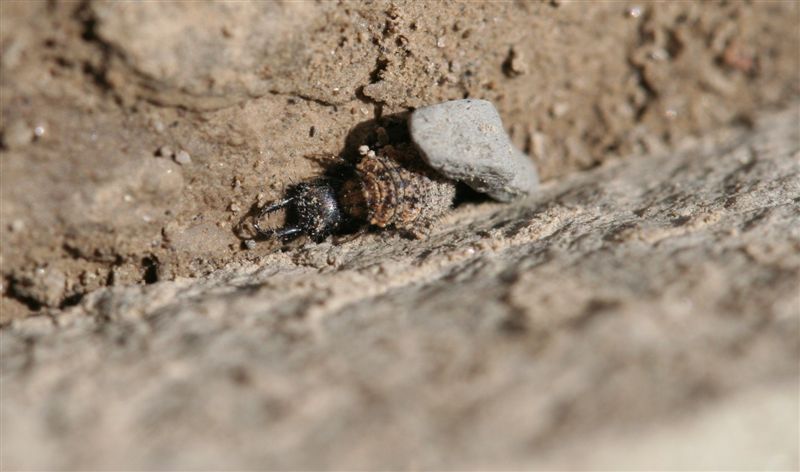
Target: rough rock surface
643,314
465,140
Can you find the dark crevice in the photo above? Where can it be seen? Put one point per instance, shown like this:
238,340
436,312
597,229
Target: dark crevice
644,84
150,265
97,72
303,97
651,94
31,303
467,195
380,67
71,300
674,44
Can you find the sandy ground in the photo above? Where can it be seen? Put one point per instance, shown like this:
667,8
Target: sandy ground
640,313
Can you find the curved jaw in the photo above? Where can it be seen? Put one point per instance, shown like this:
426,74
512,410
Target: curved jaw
285,232
312,209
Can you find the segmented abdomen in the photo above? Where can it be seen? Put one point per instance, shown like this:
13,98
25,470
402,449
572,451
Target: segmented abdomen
394,188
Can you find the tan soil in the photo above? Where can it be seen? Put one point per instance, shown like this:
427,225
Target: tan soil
640,314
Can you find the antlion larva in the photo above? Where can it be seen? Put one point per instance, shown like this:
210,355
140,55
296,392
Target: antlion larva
408,185
390,188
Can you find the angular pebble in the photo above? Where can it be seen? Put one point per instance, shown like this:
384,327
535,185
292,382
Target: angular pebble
183,158
465,141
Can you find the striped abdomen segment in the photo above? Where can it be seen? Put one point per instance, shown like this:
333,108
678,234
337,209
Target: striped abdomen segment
393,188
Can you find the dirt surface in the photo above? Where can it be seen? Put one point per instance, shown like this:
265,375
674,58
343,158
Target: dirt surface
91,90
648,307
642,315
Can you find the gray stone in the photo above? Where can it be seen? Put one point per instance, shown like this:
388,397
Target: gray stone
465,141
183,158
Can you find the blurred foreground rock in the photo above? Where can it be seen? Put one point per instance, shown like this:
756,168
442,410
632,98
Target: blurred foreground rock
131,132
644,314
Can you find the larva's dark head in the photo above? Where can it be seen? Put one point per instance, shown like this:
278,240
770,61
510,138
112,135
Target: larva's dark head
312,210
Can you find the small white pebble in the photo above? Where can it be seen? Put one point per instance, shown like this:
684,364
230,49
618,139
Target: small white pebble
634,12
559,109
659,54
164,151
363,149
127,198
440,42
183,157
234,208
39,131
250,244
